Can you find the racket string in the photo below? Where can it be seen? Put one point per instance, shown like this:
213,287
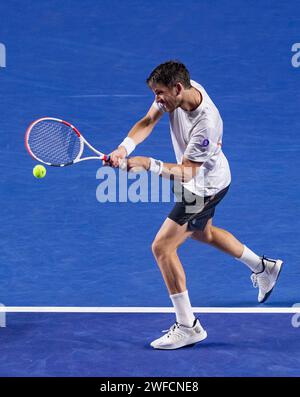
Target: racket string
54,142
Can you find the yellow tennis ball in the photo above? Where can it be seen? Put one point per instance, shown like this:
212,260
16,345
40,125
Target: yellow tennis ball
39,171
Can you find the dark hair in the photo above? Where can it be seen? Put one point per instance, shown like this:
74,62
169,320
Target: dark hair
169,74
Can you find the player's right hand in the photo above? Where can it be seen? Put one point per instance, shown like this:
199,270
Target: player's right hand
117,156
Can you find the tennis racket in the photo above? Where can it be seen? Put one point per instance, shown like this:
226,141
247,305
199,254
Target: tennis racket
58,143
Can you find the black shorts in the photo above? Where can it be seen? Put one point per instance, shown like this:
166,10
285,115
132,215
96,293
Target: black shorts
195,210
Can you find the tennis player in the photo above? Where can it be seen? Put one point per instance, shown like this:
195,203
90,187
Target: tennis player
203,173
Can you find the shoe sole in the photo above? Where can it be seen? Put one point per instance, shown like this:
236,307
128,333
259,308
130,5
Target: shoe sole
203,336
269,293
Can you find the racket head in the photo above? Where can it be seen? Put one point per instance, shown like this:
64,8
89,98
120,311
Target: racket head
54,142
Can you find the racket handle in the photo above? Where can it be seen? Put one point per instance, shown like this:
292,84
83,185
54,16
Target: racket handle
122,163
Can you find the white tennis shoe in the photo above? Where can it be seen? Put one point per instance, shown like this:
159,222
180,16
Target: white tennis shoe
179,335
266,279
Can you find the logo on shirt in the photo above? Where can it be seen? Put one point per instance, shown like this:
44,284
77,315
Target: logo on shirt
205,143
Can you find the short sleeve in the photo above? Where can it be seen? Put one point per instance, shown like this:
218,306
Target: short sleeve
201,145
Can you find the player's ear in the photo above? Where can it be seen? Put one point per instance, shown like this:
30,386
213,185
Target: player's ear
179,88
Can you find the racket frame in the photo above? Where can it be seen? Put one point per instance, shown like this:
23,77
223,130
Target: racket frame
83,141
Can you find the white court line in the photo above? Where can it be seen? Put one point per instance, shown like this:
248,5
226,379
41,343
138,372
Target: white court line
69,309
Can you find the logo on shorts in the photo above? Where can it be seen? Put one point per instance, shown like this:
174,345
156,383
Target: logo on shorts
205,143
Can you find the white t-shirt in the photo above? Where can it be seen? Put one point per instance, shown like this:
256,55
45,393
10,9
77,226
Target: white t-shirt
197,135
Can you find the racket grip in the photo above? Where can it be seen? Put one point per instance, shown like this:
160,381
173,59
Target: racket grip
106,157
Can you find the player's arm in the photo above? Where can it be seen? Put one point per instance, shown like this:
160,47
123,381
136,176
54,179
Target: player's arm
138,133
143,128
198,150
202,145
183,172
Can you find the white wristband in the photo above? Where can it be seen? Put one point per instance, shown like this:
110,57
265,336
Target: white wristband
156,166
128,144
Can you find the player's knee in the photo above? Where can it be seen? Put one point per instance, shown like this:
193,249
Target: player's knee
157,248
160,248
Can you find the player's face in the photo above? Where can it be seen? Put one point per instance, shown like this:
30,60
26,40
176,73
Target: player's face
167,97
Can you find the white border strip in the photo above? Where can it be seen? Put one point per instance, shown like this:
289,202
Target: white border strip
69,309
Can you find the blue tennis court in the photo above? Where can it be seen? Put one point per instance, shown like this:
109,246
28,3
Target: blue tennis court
87,63
104,345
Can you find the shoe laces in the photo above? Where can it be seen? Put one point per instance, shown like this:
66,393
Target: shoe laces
254,276
170,330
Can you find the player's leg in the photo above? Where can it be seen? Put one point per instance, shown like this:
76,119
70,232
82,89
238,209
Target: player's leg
220,239
226,242
164,248
187,329
265,270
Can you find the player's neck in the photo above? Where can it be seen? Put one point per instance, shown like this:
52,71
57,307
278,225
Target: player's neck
191,99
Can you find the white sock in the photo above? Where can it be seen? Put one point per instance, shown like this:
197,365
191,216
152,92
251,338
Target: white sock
250,259
183,309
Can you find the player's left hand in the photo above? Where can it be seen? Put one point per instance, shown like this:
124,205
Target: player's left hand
138,163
